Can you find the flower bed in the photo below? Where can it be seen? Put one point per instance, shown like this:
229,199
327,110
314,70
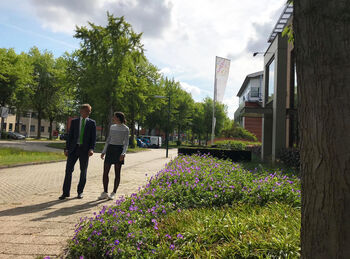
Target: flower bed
233,155
197,206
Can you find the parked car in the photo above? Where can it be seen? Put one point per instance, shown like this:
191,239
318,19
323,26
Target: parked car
64,136
152,141
15,135
140,143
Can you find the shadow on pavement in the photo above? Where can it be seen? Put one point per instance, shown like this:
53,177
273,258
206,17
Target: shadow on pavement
53,212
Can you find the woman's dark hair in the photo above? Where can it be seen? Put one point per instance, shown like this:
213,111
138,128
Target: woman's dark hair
120,116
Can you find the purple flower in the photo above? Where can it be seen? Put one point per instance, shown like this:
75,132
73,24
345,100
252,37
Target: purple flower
180,236
116,242
172,246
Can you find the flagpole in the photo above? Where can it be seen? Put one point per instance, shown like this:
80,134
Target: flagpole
213,120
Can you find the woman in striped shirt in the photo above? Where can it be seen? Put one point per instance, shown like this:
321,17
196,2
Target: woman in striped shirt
114,149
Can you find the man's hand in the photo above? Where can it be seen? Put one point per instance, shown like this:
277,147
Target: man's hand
121,158
102,156
91,152
66,152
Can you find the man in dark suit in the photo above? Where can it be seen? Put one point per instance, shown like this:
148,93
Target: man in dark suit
80,144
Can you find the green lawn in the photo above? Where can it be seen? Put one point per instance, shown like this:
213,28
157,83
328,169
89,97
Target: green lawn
99,147
15,156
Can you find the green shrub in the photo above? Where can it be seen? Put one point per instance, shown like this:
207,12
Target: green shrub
231,144
236,131
232,211
3,135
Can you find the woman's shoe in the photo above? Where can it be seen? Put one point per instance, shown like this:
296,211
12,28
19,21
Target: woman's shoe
111,196
103,196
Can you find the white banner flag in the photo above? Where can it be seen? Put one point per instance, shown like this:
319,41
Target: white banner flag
222,68
4,112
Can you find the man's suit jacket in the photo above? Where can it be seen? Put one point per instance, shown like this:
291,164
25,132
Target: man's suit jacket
89,140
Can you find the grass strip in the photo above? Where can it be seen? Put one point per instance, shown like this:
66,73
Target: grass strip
16,156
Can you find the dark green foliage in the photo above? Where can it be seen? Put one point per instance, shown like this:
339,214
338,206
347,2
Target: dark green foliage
234,130
290,157
233,155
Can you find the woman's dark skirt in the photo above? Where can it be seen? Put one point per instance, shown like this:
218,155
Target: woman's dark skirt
113,154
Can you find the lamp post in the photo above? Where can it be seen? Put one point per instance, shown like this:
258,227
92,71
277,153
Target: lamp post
168,122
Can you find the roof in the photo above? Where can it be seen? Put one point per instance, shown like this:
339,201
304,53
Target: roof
246,80
282,21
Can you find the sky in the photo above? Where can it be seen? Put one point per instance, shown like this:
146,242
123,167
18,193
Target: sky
180,37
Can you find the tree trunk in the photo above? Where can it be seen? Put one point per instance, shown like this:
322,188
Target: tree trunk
18,118
50,133
322,46
132,144
2,128
38,136
109,122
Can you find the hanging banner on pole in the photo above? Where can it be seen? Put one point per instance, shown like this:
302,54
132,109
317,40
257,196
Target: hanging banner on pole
4,112
222,68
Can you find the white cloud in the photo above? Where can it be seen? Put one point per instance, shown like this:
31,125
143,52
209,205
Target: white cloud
148,16
194,90
165,71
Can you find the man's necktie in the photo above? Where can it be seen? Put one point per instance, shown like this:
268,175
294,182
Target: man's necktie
82,131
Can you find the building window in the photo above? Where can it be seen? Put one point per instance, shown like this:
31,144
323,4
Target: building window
23,127
32,128
10,126
42,129
48,129
271,80
5,125
255,92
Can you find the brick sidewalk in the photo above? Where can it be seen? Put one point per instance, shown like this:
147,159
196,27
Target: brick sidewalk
34,222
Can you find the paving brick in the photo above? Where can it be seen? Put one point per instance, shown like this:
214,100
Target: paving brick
34,222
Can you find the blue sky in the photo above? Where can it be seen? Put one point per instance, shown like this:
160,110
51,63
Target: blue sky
181,37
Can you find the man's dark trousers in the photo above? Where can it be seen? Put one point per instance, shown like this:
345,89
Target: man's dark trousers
78,153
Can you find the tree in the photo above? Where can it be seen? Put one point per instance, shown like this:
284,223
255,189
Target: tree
197,126
103,63
43,84
322,49
183,111
61,93
14,74
138,90
21,98
220,114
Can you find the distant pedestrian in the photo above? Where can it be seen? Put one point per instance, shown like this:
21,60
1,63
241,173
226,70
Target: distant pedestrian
115,150
80,144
